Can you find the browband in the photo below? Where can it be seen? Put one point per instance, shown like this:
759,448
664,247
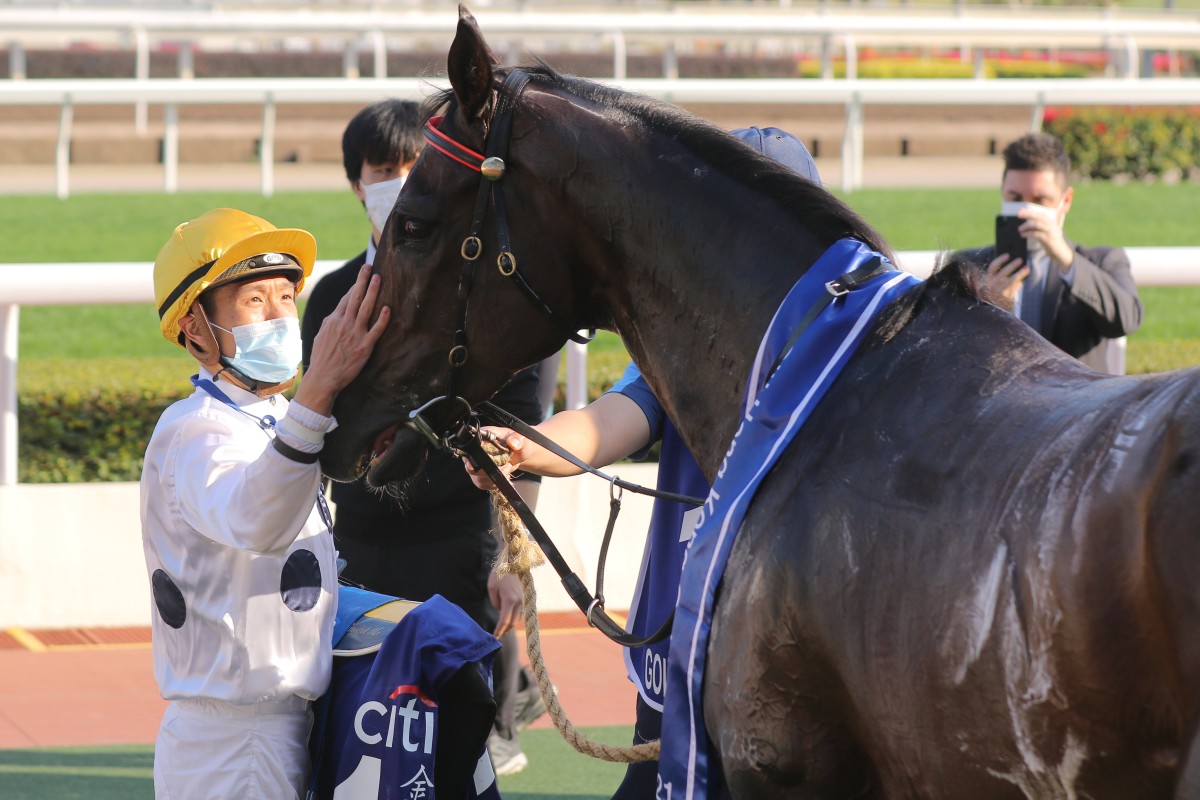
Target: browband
450,148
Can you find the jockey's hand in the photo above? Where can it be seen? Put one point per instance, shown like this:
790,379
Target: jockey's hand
508,597
343,345
514,441
1003,279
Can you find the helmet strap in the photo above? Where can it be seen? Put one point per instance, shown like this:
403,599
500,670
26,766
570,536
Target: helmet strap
209,356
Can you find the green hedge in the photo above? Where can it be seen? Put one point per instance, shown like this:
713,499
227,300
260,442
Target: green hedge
1036,69
886,67
1140,143
68,434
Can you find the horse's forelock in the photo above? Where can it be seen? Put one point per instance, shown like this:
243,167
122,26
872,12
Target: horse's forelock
433,105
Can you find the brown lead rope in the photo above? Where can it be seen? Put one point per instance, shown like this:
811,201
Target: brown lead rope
518,557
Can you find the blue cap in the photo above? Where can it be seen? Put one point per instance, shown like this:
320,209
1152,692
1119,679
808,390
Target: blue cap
783,147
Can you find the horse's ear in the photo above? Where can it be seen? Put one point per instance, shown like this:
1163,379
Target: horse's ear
470,66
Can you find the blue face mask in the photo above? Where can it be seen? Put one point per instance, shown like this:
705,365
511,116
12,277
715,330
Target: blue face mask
266,351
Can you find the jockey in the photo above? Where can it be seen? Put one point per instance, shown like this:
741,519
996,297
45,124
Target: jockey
236,535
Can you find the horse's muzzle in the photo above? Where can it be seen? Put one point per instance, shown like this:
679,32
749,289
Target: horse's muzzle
400,460
351,451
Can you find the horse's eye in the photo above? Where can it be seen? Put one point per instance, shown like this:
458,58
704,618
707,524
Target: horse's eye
414,228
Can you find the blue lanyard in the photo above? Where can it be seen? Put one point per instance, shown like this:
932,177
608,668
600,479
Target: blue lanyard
267,423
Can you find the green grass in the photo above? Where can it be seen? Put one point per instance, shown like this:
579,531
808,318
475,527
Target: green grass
122,772
1132,215
78,773
556,770
131,227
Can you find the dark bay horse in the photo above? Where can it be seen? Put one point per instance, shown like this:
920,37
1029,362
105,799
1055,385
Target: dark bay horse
974,574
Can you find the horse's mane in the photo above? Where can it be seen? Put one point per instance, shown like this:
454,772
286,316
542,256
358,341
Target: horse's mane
954,276
821,213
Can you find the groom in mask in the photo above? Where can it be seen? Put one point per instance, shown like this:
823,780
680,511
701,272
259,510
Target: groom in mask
1079,298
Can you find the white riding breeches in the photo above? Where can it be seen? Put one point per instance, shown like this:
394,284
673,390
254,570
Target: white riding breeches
211,750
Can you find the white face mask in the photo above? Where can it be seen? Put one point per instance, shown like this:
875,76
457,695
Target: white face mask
267,351
1010,208
380,199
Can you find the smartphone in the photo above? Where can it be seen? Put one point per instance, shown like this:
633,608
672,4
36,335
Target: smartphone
1009,240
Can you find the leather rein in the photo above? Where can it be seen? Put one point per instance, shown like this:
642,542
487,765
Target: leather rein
466,440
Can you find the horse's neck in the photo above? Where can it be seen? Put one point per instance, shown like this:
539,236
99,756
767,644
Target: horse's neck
693,293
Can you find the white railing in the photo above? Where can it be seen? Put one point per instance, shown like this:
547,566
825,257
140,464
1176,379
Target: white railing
853,95
1104,29
131,282
1030,27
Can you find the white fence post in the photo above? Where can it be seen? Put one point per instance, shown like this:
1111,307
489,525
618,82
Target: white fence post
350,60
670,62
852,145
620,61
267,146
1132,61
187,61
141,73
380,46
16,60
170,149
62,150
576,375
9,315
1038,114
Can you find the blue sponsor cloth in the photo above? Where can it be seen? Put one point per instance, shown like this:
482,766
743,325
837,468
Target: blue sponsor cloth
775,407
378,726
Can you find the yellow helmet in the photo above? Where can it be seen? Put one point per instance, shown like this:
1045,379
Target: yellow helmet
217,247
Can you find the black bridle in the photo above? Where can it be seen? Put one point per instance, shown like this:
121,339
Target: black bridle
466,439
491,167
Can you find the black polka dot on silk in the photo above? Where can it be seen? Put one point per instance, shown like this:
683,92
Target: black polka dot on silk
300,583
168,599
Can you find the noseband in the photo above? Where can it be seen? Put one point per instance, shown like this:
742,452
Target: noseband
491,168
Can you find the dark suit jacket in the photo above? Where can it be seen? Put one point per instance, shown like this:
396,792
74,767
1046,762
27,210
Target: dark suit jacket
442,501
1102,303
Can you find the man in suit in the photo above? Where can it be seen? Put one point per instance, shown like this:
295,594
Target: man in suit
1079,298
